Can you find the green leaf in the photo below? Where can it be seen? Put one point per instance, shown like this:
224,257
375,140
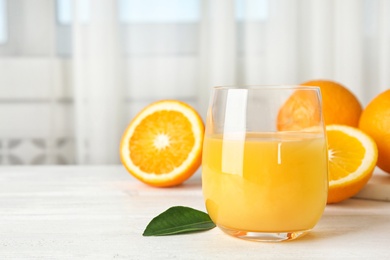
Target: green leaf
178,220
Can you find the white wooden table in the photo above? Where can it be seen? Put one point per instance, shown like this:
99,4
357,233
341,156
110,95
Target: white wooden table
100,212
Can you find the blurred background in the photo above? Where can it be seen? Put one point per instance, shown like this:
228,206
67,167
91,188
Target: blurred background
73,73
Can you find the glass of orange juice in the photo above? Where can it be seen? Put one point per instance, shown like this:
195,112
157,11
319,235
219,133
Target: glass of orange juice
264,162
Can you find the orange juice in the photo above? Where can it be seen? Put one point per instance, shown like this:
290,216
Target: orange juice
265,182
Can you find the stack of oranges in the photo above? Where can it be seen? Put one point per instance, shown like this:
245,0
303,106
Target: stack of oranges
370,127
358,139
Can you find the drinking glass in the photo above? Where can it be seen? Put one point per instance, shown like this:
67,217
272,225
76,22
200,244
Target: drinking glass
264,163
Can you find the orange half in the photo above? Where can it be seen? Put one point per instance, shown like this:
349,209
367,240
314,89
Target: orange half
352,156
162,146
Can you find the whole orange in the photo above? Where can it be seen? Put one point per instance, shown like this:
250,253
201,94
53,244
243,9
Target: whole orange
340,105
375,121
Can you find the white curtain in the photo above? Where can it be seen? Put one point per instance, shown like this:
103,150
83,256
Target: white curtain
97,83
115,65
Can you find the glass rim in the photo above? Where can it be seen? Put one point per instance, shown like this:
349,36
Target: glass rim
267,87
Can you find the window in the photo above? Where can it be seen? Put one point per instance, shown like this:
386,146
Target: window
64,10
136,11
253,10
148,27
152,11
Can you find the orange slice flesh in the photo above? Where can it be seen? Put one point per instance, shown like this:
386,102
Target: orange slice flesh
162,145
352,156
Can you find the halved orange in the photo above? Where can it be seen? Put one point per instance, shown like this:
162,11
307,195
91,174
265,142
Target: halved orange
352,156
162,146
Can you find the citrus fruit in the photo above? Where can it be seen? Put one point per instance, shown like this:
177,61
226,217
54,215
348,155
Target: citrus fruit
352,156
301,110
339,105
162,146
375,121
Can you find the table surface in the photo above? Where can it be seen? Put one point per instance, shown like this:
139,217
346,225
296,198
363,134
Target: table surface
100,212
